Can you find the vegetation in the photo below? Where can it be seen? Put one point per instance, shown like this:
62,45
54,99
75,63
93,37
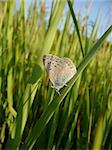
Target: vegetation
32,114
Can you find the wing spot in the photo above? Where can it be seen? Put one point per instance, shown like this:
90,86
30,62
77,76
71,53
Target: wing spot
49,62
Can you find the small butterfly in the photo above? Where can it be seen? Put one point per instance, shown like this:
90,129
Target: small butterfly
60,70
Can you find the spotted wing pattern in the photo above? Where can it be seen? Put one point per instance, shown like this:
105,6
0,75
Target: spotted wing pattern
60,70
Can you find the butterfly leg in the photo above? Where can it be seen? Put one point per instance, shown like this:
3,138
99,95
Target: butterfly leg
55,89
65,84
58,92
52,87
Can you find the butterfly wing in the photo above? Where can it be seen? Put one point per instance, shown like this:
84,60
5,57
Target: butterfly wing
60,70
69,71
53,66
55,73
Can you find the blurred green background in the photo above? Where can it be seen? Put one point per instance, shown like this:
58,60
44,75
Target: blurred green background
32,114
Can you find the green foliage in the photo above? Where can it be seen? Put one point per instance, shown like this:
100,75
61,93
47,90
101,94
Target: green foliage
32,114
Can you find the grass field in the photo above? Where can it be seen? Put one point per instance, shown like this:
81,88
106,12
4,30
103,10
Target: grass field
32,114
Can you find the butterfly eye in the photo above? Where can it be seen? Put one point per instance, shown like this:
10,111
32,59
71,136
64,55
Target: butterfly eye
44,58
49,62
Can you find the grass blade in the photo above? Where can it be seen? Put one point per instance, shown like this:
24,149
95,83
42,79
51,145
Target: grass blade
76,25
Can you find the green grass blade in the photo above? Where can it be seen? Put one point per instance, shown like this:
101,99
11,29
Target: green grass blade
10,53
68,110
24,108
99,134
70,136
53,129
76,25
50,35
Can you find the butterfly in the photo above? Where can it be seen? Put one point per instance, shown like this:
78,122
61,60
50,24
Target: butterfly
60,70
